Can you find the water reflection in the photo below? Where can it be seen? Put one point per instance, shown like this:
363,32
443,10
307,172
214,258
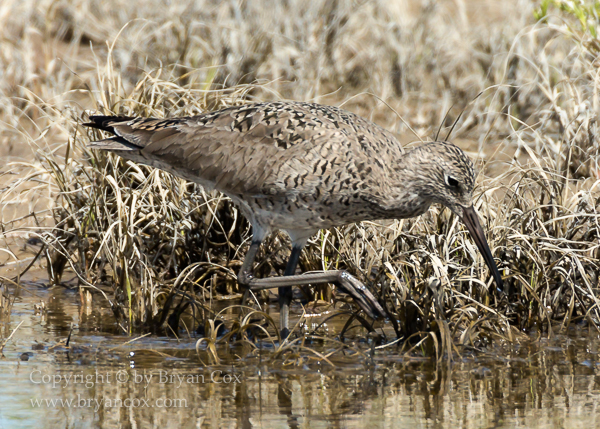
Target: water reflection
159,382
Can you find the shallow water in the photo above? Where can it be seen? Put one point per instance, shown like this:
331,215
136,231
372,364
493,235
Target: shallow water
160,382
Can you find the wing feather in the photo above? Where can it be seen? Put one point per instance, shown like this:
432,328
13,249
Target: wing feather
246,150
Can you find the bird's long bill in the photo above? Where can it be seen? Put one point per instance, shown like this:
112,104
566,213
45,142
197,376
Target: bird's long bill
471,221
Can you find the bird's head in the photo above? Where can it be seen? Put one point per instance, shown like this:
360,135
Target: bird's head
446,176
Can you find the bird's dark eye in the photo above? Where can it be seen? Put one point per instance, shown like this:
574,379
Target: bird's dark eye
451,181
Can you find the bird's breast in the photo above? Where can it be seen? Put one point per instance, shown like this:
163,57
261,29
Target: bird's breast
326,211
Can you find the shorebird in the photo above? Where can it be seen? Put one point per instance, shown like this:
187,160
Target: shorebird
301,167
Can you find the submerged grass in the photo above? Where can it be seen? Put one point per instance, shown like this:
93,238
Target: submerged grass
164,251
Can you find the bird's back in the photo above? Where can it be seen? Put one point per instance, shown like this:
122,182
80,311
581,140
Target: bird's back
288,162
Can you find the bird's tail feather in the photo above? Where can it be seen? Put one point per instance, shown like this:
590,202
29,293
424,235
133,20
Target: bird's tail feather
105,123
113,143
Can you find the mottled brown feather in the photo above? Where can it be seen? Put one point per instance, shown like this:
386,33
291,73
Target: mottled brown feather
289,164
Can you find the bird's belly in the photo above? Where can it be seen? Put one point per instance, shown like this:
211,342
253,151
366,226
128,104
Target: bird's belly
291,218
293,214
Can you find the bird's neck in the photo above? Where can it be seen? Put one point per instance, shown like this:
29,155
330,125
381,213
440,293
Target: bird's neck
407,194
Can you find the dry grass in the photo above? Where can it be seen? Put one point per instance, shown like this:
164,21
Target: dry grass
157,247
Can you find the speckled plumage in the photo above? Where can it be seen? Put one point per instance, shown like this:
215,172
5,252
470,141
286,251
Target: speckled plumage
289,165
297,166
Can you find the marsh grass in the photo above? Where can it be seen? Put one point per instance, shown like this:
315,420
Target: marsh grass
161,250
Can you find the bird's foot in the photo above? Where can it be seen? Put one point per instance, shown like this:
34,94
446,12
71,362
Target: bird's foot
361,294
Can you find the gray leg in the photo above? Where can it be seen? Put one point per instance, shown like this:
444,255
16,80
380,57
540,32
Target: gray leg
286,293
245,274
363,296
245,278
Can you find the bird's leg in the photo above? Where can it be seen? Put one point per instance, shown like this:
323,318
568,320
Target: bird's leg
245,274
286,293
349,284
245,279
363,296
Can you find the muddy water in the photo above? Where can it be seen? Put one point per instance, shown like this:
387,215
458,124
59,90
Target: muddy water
99,381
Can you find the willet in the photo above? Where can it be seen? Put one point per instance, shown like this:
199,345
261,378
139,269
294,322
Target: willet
301,167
